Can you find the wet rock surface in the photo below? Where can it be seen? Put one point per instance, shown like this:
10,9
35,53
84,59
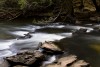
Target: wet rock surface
20,66
26,36
50,48
25,58
69,61
4,63
80,63
37,57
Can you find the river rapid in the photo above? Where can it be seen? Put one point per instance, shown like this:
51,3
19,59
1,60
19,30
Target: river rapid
81,40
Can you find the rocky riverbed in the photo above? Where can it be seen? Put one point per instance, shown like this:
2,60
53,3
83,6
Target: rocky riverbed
80,40
48,54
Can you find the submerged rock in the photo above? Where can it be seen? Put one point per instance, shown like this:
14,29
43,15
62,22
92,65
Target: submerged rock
26,36
81,30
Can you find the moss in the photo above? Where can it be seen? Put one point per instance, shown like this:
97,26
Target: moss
96,47
23,4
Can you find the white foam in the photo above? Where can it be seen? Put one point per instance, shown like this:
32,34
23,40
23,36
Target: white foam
73,27
19,33
5,44
66,34
6,53
34,41
98,25
56,26
50,60
29,27
41,37
89,29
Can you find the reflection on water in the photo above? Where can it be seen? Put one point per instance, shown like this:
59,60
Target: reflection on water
96,47
81,47
85,44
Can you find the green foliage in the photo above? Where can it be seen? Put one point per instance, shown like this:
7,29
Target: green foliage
23,4
34,4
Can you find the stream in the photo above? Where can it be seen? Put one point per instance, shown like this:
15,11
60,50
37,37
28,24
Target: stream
81,40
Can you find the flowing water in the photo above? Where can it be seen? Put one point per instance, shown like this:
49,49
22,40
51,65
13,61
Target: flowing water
85,44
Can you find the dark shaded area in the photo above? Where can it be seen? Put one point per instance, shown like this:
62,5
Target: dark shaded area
53,30
76,45
96,6
49,10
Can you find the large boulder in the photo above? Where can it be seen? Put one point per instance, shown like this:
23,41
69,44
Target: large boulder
50,47
25,58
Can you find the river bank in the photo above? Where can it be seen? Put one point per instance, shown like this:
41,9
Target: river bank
77,12
46,55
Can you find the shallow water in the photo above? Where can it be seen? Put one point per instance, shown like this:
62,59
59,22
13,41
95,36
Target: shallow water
86,45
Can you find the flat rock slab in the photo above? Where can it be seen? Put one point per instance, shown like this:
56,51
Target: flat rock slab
80,63
69,61
64,61
20,66
50,47
26,58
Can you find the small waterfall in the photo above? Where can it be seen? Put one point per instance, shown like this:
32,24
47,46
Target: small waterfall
50,60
